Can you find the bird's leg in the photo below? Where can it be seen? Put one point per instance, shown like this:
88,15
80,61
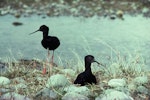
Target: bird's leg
50,65
48,55
46,63
52,59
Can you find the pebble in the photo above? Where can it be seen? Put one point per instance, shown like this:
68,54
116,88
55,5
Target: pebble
117,82
145,10
83,90
141,80
132,87
17,23
143,90
74,96
112,16
4,80
120,13
57,80
19,80
13,96
114,95
3,68
46,92
21,85
69,72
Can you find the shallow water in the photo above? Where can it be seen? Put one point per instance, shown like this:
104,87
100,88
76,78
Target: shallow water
100,37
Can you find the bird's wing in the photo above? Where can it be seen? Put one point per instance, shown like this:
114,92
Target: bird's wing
53,40
80,79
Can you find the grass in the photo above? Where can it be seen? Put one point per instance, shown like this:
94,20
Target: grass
122,67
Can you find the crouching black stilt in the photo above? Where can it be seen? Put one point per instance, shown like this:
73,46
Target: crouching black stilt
86,76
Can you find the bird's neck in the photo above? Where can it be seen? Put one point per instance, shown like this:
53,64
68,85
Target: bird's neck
88,67
45,34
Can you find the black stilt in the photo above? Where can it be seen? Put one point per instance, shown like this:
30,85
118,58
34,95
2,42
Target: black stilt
86,76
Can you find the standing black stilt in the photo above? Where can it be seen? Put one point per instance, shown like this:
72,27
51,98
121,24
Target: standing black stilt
48,42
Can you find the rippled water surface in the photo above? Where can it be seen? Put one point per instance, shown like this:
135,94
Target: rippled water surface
100,37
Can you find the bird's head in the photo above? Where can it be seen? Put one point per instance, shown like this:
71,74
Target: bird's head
42,28
90,59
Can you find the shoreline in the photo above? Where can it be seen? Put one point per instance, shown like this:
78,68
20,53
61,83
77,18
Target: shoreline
75,8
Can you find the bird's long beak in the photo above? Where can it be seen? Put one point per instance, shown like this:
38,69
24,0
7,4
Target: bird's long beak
34,32
99,63
96,62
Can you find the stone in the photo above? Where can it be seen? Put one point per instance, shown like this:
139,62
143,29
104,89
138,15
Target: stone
46,92
117,83
21,85
112,16
4,80
69,72
120,13
14,96
145,10
132,87
74,96
19,80
83,90
114,95
142,90
3,68
57,80
140,80
5,90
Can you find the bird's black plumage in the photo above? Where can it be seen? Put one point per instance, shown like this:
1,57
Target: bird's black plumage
86,76
48,42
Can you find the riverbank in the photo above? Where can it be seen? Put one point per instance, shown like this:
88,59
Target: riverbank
23,80
85,8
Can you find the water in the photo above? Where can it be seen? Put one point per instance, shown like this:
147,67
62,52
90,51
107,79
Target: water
100,37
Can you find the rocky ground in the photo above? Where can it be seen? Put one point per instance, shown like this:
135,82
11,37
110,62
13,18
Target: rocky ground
86,8
23,80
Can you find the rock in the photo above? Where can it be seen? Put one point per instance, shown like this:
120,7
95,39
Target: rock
4,90
21,85
142,90
117,83
57,80
19,80
17,15
145,10
50,94
140,80
3,68
69,72
83,90
114,95
4,80
132,87
4,12
17,23
14,96
112,16
119,14
134,6
74,96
